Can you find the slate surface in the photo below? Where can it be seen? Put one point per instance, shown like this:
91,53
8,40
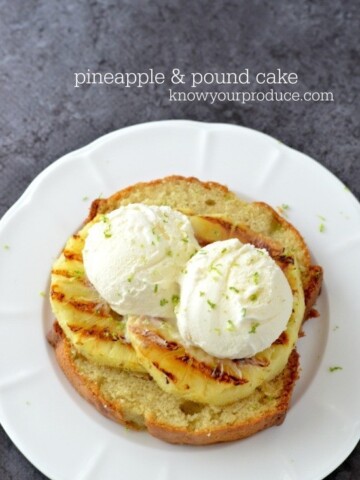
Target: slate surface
42,115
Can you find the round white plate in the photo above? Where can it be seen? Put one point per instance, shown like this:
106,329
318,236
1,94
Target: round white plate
65,437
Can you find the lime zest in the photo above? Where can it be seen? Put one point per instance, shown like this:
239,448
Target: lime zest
107,232
335,368
175,299
230,327
211,304
254,326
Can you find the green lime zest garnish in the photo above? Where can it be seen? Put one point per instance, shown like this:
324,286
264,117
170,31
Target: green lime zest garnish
211,304
254,326
282,208
234,289
175,299
230,327
333,369
214,268
107,231
157,236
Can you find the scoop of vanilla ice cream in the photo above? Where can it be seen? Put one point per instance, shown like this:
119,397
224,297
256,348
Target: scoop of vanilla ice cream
133,257
235,300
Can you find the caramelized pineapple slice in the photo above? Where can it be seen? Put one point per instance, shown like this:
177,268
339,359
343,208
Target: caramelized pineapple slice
194,375
96,331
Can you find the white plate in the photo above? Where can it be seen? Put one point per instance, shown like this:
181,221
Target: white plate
65,437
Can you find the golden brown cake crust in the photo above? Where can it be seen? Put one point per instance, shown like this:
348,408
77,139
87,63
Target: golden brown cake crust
87,389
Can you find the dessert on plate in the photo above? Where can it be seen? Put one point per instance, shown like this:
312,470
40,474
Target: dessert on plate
178,306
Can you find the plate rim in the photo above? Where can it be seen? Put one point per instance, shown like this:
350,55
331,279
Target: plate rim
152,124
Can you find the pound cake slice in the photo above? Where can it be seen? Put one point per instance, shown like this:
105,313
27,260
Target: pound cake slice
133,398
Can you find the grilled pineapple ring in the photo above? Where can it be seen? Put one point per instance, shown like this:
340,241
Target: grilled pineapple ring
193,375
96,331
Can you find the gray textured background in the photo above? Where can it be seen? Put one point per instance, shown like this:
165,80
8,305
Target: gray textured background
42,116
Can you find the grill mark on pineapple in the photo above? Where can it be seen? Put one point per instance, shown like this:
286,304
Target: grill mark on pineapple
98,332
90,307
225,377
83,306
56,295
172,346
216,372
254,361
62,273
169,376
69,255
68,274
